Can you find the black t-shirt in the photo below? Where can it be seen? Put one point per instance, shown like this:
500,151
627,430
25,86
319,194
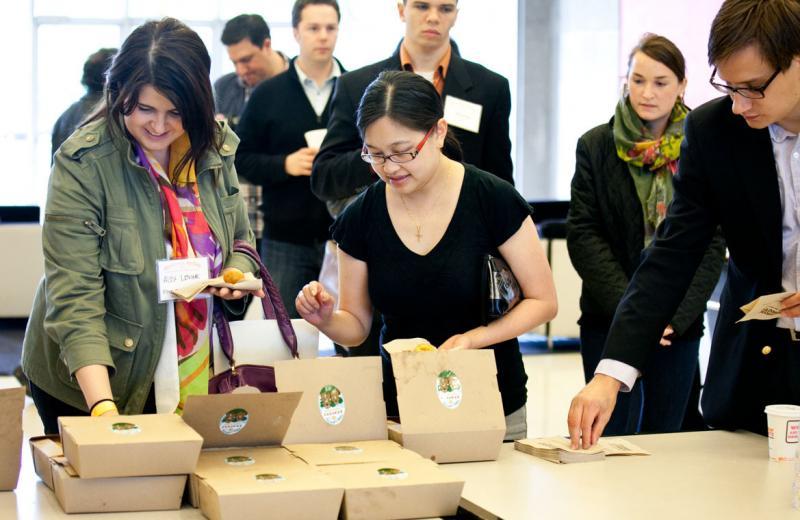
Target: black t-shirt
437,295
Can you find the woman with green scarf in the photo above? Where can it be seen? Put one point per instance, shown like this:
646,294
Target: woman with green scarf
620,194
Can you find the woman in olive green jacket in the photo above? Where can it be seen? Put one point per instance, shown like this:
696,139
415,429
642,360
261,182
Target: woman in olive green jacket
149,178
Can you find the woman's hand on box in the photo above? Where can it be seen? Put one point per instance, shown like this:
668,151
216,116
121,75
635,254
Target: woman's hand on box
457,342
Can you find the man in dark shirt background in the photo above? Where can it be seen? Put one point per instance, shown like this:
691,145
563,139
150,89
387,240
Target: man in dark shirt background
276,154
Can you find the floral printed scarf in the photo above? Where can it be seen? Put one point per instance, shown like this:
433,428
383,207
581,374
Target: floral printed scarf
652,162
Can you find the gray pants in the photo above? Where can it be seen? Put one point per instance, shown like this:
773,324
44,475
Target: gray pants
517,424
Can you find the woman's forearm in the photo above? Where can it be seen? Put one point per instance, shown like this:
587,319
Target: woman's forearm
345,329
94,382
526,315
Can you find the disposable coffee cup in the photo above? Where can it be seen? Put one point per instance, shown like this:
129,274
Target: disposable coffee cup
783,429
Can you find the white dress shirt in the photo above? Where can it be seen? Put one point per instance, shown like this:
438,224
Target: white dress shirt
318,95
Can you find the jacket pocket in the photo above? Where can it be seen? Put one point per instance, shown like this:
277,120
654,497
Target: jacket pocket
121,250
123,338
230,205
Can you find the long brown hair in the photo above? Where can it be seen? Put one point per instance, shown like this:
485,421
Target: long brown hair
172,58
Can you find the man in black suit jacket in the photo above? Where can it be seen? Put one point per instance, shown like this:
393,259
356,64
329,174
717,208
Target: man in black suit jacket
738,173
339,173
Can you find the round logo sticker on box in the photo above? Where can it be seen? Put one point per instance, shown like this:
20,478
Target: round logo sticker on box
348,450
239,460
233,421
331,405
125,428
392,473
448,389
269,477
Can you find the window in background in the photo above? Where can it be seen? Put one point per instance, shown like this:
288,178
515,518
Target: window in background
45,42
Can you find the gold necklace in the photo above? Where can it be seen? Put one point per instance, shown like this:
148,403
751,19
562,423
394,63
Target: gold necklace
413,220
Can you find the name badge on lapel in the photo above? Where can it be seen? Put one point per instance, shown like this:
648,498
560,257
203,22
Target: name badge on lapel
173,274
462,114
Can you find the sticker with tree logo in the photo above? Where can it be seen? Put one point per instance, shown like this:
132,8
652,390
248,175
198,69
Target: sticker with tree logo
240,460
347,450
392,473
269,477
233,421
448,389
331,405
125,428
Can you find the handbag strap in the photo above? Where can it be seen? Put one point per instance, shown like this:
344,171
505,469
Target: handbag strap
271,303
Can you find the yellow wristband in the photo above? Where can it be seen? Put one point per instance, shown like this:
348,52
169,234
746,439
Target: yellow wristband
103,407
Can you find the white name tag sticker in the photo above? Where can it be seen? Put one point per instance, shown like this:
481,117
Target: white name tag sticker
462,114
174,274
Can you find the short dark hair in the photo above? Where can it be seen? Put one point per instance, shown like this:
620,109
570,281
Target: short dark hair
772,25
170,57
408,99
251,26
663,51
94,70
299,5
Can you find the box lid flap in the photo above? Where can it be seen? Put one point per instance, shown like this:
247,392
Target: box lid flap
342,399
448,391
350,452
225,420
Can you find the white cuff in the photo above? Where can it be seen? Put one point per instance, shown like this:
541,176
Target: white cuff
620,371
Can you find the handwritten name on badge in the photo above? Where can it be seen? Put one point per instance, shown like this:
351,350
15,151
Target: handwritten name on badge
462,114
173,274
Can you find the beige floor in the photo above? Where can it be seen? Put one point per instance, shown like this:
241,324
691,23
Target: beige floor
552,381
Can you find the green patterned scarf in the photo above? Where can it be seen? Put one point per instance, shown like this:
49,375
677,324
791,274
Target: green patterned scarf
652,162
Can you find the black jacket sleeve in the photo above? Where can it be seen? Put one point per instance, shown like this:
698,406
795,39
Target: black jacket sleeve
591,255
338,170
497,145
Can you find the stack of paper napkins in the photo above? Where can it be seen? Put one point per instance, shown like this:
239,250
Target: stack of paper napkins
558,449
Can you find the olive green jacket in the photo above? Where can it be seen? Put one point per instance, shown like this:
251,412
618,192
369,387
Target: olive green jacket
103,233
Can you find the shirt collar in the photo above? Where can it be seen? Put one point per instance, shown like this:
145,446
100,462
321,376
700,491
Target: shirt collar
441,68
779,134
336,71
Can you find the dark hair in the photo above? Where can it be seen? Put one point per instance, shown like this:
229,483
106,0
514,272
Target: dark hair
410,100
172,58
299,5
94,70
251,26
772,25
663,51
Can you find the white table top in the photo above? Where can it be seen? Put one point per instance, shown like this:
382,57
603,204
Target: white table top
690,475
709,475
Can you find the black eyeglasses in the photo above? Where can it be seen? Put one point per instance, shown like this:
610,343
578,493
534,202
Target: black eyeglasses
399,158
748,92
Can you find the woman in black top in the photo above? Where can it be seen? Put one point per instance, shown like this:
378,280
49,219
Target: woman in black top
412,246
620,194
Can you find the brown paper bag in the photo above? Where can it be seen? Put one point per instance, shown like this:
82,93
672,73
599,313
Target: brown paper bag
12,400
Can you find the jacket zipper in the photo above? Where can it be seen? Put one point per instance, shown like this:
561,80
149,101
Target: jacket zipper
88,223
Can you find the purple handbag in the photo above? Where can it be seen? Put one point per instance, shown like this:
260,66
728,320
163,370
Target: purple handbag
258,376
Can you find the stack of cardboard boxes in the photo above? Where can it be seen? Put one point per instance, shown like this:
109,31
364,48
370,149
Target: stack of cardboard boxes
114,464
318,448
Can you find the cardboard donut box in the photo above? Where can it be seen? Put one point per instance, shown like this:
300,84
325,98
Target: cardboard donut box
340,427
116,464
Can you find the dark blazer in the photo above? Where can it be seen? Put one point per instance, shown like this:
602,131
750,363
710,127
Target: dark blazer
340,173
726,177
605,237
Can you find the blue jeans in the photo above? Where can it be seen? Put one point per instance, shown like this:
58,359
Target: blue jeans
291,267
657,402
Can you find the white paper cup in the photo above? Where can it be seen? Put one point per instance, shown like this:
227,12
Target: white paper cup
783,429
